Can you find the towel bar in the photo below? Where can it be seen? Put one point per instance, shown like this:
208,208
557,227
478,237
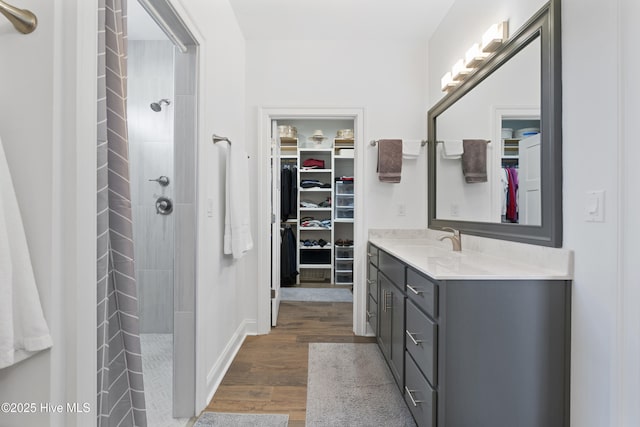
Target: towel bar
23,20
218,138
440,142
375,141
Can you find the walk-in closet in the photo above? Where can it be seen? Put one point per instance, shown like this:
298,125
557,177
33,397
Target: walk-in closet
317,202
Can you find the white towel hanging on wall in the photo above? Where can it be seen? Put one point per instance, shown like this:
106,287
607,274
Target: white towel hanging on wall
411,148
237,219
452,149
23,329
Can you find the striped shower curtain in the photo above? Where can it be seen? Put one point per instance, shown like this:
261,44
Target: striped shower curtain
120,387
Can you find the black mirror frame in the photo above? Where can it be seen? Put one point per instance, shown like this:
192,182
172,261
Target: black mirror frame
546,25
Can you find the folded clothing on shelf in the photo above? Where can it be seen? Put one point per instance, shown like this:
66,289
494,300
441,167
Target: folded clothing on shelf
314,243
344,242
313,164
310,183
325,223
326,203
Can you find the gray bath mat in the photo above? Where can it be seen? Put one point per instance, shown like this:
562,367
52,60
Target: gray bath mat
220,419
351,385
316,294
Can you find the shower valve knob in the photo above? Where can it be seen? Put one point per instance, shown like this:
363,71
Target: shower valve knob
164,206
163,180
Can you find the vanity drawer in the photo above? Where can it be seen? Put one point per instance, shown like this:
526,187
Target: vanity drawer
372,254
372,314
392,268
423,292
372,282
420,397
421,341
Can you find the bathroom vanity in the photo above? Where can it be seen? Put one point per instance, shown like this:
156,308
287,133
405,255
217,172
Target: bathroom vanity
473,338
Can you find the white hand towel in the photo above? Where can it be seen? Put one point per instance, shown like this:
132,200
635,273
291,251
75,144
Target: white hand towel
23,329
452,149
237,219
411,148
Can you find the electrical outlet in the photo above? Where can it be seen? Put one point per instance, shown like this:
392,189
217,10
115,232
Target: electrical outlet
454,210
402,209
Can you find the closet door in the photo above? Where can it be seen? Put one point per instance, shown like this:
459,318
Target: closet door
276,236
529,196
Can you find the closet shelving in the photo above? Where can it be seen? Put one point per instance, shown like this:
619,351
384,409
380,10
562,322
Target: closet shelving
313,259
510,147
344,209
327,199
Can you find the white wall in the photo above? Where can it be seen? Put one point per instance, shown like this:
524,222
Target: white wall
384,78
223,315
48,130
47,125
599,110
627,368
29,150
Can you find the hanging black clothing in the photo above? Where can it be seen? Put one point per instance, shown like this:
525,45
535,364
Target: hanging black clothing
293,200
288,251
285,193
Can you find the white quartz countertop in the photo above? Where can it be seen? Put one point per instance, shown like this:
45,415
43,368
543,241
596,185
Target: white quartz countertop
490,261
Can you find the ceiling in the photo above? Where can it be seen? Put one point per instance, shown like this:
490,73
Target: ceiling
319,19
339,19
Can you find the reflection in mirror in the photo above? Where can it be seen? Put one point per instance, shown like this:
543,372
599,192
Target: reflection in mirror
503,109
513,99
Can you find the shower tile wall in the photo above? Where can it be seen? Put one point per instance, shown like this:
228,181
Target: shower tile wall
150,79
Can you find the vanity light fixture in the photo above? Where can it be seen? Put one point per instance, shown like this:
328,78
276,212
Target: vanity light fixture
491,41
447,83
495,36
474,56
460,70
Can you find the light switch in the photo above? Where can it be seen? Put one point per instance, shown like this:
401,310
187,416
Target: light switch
594,206
210,207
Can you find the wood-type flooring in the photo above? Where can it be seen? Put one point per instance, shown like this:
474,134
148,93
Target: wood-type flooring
269,373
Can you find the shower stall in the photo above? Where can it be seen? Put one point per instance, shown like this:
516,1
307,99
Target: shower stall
151,146
162,127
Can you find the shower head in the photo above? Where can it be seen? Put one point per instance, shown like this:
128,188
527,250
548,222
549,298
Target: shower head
157,106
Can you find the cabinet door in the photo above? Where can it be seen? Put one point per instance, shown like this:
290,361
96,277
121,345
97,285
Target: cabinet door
384,316
397,335
391,326
372,314
372,282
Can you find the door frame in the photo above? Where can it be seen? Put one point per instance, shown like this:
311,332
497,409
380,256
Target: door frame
187,123
498,113
266,115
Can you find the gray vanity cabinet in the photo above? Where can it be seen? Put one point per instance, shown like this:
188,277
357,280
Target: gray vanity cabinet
504,353
391,313
480,353
372,289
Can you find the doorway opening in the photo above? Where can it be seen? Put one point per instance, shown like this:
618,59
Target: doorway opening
162,121
314,238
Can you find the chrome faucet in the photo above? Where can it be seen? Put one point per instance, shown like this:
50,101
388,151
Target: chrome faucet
455,239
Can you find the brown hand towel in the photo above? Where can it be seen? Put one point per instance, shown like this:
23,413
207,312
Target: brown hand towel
474,160
389,160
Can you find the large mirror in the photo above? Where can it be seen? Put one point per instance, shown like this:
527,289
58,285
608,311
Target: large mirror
508,182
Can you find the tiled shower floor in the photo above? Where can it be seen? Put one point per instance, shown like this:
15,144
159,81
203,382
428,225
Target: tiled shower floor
157,366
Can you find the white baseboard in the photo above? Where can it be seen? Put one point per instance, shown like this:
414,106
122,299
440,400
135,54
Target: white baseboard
220,368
